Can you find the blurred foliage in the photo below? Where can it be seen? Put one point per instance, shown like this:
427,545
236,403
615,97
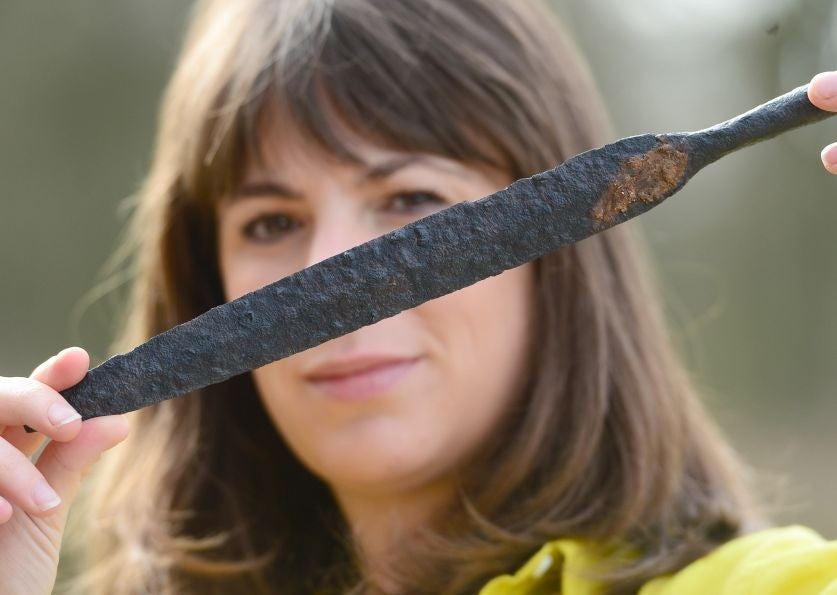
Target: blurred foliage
745,253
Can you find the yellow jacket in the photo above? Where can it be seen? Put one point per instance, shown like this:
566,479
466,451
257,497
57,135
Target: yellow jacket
793,560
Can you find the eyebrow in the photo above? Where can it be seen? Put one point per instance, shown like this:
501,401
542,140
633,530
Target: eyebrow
378,171
390,166
265,188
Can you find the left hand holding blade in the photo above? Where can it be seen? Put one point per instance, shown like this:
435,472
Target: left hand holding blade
823,93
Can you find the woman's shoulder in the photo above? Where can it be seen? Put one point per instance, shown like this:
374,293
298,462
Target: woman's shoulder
791,560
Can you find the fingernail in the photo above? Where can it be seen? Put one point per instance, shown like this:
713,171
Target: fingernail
44,496
829,155
60,414
825,84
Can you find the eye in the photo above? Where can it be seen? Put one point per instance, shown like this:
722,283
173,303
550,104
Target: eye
413,201
269,227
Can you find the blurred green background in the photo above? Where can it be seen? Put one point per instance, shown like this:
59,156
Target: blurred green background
746,253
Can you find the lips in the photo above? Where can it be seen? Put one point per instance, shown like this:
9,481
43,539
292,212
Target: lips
333,369
360,378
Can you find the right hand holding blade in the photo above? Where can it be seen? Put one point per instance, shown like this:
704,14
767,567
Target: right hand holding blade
35,496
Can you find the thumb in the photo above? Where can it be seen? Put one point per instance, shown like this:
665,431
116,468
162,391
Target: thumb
64,464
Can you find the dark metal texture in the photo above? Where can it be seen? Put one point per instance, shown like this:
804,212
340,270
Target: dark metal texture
446,251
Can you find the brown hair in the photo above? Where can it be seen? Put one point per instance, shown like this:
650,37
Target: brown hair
609,443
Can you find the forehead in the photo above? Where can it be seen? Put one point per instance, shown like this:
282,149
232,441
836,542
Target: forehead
280,141
283,145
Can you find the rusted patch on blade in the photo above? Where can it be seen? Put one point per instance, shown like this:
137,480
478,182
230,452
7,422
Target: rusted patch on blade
648,178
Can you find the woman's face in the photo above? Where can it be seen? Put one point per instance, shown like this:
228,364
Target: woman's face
463,354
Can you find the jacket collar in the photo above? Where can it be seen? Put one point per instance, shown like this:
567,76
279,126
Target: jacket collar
554,568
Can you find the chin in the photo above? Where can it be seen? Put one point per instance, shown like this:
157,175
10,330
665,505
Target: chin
373,464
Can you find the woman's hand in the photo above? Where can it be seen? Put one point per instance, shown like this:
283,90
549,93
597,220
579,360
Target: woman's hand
35,497
823,93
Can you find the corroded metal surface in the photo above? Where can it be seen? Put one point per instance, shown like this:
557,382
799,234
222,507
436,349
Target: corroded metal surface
645,178
446,251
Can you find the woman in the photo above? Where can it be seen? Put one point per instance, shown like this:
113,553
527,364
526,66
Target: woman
531,433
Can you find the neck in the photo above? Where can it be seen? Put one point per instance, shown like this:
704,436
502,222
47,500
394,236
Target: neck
382,521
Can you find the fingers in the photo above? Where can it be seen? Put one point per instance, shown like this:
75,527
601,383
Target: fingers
5,510
27,401
32,402
829,158
64,464
22,484
63,370
50,484
60,372
22,440
823,93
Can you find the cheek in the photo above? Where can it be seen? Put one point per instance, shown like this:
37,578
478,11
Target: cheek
242,273
487,323
483,333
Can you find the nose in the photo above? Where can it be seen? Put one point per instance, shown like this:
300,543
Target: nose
336,232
